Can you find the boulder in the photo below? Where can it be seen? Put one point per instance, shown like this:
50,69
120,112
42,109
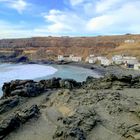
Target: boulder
78,125
8,104
69,84
51,83
14,121
112,82
26,88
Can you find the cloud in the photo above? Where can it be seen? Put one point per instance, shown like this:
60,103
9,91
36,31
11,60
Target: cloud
76,2
61,22
124,19
19,5
105,5
9,30
20,30
106,20
81,17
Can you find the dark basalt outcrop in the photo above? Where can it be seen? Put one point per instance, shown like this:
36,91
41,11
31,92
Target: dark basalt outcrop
9,103
83,106
112,81
113,112
77,125
26,88
30,88
14,121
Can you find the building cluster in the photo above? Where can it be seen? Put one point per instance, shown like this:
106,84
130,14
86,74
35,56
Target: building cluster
69,58
127,61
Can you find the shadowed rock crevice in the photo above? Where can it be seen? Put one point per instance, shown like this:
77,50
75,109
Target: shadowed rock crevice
14,121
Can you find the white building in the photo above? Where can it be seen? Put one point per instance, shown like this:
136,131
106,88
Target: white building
129,41
118,59
76,58
130,60
64,58
91,55
100,58
60,58
92,60
106,62
137,66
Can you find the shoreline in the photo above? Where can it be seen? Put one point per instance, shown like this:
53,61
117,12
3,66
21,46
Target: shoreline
113,69
66,109
102,70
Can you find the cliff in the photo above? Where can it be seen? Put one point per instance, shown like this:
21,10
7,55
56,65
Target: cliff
50,47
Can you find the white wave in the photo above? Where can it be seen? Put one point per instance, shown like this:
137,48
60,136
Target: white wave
26,71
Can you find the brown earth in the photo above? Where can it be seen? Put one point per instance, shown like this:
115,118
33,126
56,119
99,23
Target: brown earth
50,47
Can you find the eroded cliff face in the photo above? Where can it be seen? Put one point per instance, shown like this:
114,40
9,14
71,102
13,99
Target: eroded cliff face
49,47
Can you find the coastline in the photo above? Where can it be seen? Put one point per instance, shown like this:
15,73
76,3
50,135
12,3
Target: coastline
102,70
113,69
66,109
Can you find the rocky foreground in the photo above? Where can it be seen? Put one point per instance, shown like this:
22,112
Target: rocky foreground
63,109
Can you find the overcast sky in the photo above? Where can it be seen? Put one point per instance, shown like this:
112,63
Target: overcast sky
27,18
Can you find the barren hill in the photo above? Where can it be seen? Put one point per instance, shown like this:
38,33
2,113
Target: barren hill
50,47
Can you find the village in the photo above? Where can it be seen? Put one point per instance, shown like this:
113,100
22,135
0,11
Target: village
129,62
126,61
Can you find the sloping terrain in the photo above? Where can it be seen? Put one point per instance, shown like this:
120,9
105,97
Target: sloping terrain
50,47
97,109
132,49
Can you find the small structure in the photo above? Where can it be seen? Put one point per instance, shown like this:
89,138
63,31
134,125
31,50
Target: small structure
129,41
60,58
91,55
76,58
91,59
118,59
137,66
64,58
130,61
106,62
100,58
69,58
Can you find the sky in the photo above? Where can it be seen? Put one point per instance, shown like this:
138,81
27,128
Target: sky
29,18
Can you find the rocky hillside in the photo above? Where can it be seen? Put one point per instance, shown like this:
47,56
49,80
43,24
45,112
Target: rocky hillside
50,47
63,109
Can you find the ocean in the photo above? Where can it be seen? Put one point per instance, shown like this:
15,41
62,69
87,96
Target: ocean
37,72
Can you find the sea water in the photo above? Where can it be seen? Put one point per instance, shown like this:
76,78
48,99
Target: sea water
37,72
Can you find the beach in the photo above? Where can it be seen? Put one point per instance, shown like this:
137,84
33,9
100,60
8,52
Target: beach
104,70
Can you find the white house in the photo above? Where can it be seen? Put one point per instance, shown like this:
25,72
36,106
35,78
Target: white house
76,58
117,59
130,60
91,55
100,58
92,60
106,62
64,58
137,66
60,58
129,41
